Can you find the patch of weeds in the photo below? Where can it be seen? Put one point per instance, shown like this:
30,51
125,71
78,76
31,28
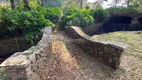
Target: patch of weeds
27,54
4,75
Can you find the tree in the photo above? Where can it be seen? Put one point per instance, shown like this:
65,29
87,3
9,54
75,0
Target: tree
73,3
66,4
52,3
129,2
81,4
12,4
41,2
116,2
97,4
26,4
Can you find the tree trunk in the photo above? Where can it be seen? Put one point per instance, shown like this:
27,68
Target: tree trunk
116,1
12,4
42,2
81,4
26,4
128,3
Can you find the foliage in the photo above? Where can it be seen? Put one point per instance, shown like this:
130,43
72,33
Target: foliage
33,22
4,75
67,4
34,4
123,10
53,14
78,17
17,23
134,3
4,23
99,14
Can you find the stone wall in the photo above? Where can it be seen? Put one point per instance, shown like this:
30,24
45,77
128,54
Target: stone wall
107,27
116,22
12,45
108,53
92,29
32,63
134,16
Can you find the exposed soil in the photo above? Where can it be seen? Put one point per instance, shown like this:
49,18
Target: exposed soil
72,64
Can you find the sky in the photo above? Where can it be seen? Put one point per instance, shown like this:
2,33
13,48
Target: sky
108,3
91,0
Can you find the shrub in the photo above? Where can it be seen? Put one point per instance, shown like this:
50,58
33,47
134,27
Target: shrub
17,23
53,14
113,10
77,17
31,23
5,13
72,11
99,14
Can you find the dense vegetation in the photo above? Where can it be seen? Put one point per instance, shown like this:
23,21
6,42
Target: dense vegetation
123,10
52,14
27,23
84,17
29,19
99,14
78,17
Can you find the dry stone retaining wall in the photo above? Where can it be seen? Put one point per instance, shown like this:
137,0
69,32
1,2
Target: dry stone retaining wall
32,63
108,53
12,45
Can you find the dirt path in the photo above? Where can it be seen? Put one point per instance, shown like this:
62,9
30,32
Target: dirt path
72,64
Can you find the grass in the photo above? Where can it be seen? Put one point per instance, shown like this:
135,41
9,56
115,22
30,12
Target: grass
27,54
131,61
133,39
4,75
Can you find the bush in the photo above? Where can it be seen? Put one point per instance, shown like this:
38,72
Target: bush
113,10
31,23
53,14
99,14
21,23
77,17
5,13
